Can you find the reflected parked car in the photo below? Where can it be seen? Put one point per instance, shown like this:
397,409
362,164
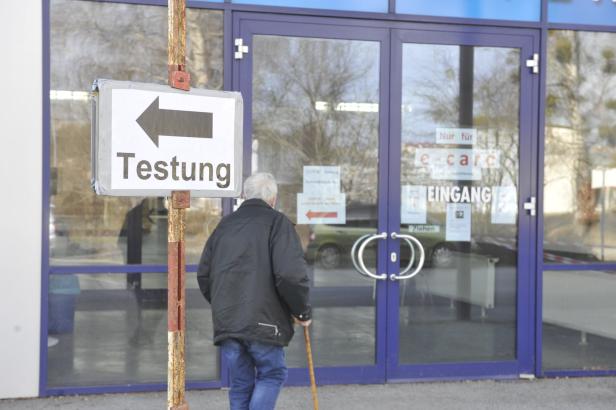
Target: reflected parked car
330,246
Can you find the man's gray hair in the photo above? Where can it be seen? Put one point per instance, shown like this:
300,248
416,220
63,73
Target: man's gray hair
261,185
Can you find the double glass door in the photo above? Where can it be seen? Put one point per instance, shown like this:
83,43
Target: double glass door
405,158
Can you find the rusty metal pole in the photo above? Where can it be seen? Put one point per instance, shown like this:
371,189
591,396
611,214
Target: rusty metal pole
176,45
176,314
178,203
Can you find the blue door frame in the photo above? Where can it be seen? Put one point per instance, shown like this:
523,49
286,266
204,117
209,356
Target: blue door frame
390,36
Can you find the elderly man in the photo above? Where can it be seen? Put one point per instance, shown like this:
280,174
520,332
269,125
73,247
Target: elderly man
253,273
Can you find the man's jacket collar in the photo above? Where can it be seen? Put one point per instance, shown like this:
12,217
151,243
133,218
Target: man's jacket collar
255,202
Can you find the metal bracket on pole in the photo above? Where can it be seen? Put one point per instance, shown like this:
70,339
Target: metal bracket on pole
178,78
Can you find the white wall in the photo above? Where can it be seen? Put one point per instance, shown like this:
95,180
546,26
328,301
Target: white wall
20,187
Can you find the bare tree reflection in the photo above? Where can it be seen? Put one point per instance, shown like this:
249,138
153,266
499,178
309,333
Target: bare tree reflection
580,138
432,99
122,42
298,119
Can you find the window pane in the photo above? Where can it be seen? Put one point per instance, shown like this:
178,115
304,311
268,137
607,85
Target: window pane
580,148
528,10
460,102
91,40
319,138
579,331
582,12
110,329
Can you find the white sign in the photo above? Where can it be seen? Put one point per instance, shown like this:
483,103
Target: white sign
458,226
321,202
504,205
413,209
321,180
458,136
467,194
149,140
460,164
424,228
321,209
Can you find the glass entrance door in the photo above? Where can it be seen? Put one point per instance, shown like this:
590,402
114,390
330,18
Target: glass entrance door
404,158
312,95
460,175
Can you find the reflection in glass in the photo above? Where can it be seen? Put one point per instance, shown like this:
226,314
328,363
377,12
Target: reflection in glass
579,331
580,148
85,228
527,10
582,12
459,177
109,329
315,104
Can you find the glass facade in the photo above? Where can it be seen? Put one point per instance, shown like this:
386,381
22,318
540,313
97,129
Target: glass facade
523,10
580,148
109,329
580,201
86,228
579,331
316,106
601,12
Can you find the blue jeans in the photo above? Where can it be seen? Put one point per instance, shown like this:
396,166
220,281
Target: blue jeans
257,372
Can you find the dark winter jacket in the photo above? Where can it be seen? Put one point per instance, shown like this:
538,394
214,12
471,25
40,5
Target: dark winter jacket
253,273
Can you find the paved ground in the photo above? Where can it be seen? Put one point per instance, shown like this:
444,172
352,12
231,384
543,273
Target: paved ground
561,394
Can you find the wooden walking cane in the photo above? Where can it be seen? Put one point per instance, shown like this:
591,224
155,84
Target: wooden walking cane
313,382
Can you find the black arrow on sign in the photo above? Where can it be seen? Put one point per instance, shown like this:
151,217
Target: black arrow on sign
191,124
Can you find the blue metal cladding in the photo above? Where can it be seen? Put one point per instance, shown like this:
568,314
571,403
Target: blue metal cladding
519,10
378,6
602,12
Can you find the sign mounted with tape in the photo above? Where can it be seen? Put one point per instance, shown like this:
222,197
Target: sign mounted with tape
149,140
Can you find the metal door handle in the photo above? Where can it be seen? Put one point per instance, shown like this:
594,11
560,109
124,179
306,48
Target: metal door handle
422,256
411,259
353,258
360,255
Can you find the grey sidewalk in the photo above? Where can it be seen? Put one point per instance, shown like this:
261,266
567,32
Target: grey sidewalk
595,393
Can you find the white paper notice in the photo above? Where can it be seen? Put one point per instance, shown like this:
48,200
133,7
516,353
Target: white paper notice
321,180
424,228
459,136
321,202
504,205
413,207
321,209
458,222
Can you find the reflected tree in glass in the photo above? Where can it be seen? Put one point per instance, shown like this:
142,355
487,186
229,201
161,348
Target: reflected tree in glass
580,152
316,103
122,42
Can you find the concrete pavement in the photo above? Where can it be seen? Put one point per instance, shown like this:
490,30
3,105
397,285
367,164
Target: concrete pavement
560,394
